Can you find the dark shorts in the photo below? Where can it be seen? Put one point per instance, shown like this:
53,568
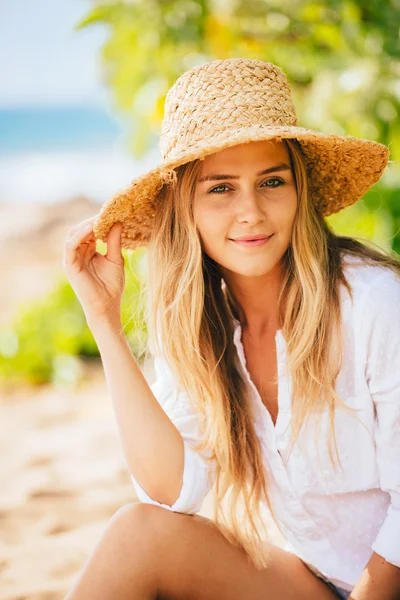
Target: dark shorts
341,593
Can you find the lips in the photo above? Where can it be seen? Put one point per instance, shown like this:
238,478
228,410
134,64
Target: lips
251,238
252,241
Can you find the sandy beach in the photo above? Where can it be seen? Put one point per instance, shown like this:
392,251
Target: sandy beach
63,475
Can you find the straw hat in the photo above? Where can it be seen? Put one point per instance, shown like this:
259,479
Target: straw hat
227,102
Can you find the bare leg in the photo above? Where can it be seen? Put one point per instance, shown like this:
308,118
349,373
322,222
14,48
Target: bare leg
149,553
122,564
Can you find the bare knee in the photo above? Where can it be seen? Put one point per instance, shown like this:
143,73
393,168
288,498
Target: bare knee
126,559
132,514
145,522
141,514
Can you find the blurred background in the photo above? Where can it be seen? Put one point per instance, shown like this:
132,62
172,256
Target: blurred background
81,104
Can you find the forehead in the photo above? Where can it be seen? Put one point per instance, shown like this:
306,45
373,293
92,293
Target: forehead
252,153
253,156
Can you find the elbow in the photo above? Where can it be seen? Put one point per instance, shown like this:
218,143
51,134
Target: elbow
171,495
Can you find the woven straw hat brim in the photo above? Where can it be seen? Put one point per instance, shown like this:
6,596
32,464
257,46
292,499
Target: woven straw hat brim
340,170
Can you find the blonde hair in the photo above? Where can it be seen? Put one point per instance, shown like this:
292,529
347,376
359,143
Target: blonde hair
189,317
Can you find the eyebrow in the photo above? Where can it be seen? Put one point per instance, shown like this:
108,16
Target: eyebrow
218,177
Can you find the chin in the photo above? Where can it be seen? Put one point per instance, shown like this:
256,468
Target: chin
256,272
251,271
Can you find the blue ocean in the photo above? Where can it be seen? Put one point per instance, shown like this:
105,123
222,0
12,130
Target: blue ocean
49,154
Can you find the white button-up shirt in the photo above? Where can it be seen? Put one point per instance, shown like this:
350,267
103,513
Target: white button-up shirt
332,520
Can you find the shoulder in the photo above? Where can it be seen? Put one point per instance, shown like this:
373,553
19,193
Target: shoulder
375,291
373,282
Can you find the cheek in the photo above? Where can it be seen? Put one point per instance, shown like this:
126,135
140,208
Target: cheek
287,213
212,238
212,224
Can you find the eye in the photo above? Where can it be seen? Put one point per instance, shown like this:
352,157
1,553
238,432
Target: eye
277,179
212,191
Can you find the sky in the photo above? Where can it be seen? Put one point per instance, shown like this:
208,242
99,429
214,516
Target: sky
45,64
43,61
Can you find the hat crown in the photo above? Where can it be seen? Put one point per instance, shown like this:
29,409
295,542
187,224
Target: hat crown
220,97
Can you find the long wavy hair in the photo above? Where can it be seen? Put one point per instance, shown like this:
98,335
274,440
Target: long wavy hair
189,317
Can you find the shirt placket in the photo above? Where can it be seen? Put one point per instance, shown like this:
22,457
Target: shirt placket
273,439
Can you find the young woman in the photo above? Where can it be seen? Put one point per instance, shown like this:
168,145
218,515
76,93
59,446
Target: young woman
276,346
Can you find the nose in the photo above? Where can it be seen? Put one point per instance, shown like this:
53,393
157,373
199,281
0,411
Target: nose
249,209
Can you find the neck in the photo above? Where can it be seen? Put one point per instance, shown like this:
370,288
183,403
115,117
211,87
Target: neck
257,300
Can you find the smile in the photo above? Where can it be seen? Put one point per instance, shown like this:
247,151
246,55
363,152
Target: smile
251,243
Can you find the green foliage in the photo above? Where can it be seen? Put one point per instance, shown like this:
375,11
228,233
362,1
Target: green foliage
49,337
369,220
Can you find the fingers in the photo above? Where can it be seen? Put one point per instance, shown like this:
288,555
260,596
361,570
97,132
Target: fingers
73,241
82,233
88,248
114,243
78,226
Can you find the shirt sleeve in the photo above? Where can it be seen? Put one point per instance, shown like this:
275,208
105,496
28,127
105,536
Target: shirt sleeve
381,320
198,473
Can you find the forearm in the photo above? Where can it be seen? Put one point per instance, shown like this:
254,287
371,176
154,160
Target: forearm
380,580
152,445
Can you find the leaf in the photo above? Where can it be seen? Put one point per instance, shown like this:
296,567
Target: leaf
99,14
